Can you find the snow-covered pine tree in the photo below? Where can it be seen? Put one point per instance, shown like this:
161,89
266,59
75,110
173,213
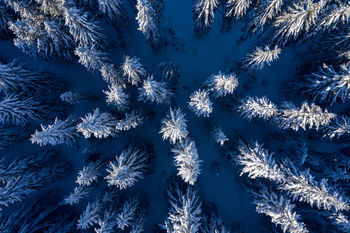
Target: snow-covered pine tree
89,174
92,58
24,9
107,223
251,107
200,103
174,126
24,38
133,70
19,111
77,194
27,164
15,77
301,186
338,15
23,176
116,96
50,7
235,9
258,162
147,20
187,161
111,75
41,29
127,168
341,221
154,92
298,18
60,132
16,189
39,35
70,97
101,125
96,212
127,213
204,11
185,211
169,71
261,57
130,121
290,117
60,42
267,10
338,128
37,216
222,84
90,215
219,136
328,85
113,9
85,32
280,210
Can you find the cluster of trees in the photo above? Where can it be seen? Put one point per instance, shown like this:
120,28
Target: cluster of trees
111,210
27,97
187,213
97,124
67,29
287,116
287,19
217,85
290,117
174,129
322,82
281,188
44,211
292,185
104,124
